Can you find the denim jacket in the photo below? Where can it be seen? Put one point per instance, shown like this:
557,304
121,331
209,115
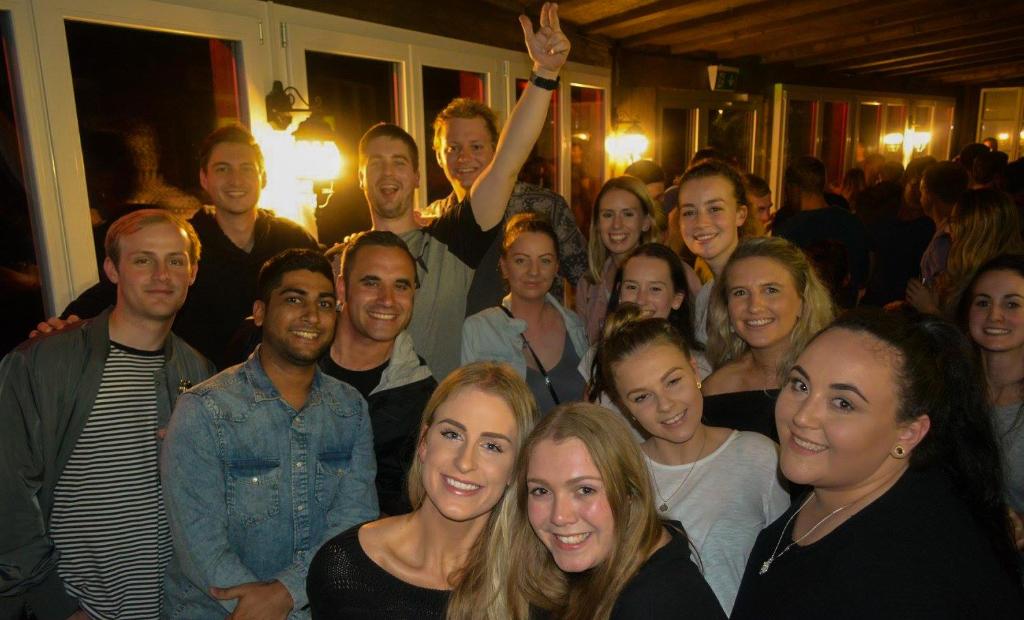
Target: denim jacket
253,487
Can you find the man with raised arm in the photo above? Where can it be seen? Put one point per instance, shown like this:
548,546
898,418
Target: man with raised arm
452,246
465,135
83,532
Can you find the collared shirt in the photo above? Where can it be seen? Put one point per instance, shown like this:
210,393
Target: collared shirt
254,487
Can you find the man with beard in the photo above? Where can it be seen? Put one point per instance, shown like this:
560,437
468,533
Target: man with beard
372,352
82,411
268,459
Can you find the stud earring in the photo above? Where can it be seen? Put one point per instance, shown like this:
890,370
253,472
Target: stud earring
899,452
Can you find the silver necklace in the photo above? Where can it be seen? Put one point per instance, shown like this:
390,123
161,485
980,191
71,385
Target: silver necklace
663,507
768,563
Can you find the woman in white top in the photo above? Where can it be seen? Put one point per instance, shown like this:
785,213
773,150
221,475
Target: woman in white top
721,484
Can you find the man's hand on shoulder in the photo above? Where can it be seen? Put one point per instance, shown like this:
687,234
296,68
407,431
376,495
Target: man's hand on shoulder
51,324
257,601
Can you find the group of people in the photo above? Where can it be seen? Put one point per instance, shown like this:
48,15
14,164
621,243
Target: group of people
616,433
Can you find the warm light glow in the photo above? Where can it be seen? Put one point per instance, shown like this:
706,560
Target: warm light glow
582,136
291,169
1002,137
627,147
892,139
318,161
917,140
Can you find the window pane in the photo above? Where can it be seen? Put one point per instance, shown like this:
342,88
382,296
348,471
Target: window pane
677,139
833,139
895,130
869,129
21,292
440,86
355,94
999,105
145,101
587,151
1002,131
801,124
730,131
542,166
941,128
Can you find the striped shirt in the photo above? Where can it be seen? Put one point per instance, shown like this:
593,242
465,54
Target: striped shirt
108,520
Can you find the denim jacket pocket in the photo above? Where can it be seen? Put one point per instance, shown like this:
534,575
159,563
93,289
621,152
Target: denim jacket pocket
254,490
331,468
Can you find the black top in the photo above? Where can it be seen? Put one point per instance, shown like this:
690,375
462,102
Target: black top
668,585
743,411
915,552
899,246
808,228
225,287
363,380
344,583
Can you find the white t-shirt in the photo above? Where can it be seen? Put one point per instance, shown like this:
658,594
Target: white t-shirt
730,496
701,303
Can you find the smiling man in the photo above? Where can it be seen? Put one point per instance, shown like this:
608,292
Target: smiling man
465,138
372,352
267,460
81,414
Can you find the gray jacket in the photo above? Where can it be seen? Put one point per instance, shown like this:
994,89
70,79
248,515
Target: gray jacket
47,389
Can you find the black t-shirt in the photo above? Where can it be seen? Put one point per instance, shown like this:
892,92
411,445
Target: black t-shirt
915,552
344,583
668,585
807,229
363,380
752,410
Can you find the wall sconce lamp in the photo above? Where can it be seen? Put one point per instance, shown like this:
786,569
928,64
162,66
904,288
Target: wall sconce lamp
315,141
627,142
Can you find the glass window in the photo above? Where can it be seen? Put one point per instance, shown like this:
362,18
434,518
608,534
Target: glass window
835,119
140,127
440,86
355,93
941,128
587,151
869,129
999,105
21,291
801,125
542,166
677,140
895,132
730,132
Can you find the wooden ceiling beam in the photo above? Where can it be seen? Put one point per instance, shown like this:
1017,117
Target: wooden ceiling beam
937,27
939,50
989,55
1008,71
853,25
649,16
582,12
752,17
980,63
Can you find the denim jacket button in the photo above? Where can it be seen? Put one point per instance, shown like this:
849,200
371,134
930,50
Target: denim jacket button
255,479
298,465
300,507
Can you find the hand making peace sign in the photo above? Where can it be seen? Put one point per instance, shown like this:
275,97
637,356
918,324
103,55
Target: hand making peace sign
548,46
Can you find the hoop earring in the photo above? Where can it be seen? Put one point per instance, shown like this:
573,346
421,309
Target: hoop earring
698,384
899,452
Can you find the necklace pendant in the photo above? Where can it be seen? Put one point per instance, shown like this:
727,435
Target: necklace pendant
663,507
764,567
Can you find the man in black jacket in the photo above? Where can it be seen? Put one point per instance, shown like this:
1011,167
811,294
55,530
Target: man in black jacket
376,285
237,238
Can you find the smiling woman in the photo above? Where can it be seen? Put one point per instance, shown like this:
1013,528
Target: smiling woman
885,417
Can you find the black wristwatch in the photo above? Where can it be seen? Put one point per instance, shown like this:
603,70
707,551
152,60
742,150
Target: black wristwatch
545,83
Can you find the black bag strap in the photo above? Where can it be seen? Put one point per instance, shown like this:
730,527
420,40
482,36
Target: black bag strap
540,367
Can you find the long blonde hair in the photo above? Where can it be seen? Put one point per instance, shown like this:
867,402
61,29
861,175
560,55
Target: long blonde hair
984,224
527,575
597,254
818,310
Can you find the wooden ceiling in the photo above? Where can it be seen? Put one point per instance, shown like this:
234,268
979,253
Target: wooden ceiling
943,41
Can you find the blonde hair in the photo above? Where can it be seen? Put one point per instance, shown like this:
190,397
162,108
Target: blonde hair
597,254
818,310
528,575
984,224
137,220
493,378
